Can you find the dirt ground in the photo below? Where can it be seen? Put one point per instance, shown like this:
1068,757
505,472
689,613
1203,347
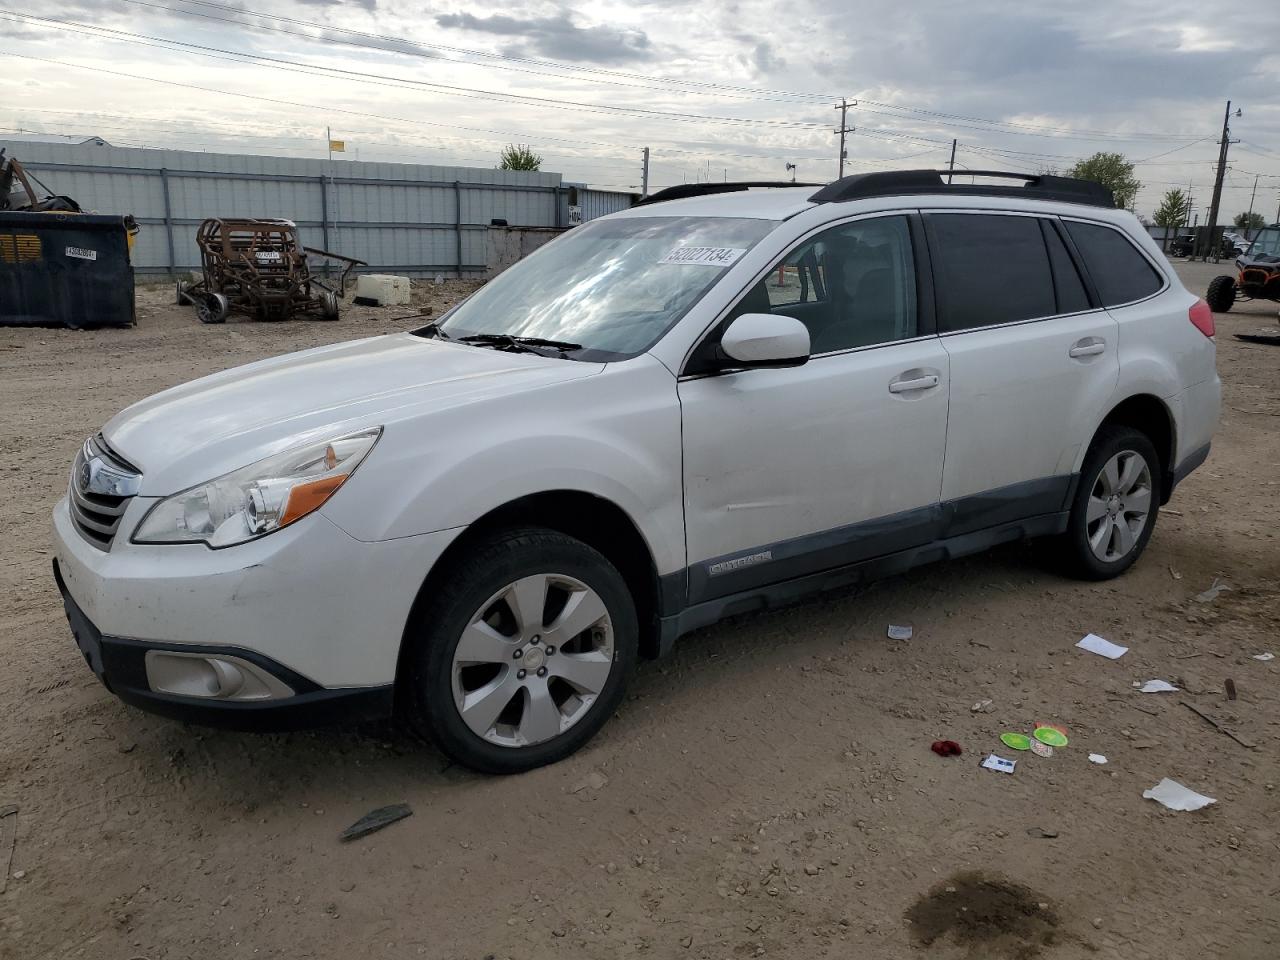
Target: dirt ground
768,791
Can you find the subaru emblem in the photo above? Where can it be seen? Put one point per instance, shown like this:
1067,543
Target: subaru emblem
86,475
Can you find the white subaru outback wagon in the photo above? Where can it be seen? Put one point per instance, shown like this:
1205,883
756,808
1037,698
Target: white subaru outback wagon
714,403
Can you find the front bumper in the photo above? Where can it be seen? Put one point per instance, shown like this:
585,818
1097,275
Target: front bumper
120,664
309,597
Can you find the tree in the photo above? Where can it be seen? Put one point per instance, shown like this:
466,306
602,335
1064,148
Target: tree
1111,170
1172,211
519,157
1249,221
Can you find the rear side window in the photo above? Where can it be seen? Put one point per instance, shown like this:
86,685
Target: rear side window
1119,271
1067,284
989,269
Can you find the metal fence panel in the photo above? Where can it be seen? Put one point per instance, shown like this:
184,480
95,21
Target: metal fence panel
412,218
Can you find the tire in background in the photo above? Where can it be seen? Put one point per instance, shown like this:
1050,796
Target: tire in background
1221,294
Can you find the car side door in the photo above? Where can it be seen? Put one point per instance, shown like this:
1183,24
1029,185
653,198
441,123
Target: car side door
793,471
1033,358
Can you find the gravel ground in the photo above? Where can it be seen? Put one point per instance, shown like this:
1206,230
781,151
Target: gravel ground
767,791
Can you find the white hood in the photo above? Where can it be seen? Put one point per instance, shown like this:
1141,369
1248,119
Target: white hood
203,429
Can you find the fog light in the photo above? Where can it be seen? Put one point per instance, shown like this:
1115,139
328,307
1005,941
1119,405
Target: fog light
220,677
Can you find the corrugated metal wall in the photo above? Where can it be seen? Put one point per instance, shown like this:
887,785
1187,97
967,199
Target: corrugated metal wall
401,218
601,203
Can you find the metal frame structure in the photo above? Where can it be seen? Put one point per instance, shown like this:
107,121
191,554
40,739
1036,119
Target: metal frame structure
258,269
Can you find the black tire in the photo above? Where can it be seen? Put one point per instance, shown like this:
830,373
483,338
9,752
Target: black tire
437,624
180,293
1221,294
1074,550
328,305
213,308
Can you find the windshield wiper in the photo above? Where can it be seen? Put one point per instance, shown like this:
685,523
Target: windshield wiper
505,341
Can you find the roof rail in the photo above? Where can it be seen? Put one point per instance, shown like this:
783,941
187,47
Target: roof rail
890,183
682,191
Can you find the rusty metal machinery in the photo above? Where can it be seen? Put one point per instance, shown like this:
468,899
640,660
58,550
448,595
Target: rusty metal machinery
256,267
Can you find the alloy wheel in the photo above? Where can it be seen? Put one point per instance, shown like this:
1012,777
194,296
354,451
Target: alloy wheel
532,660
1119,506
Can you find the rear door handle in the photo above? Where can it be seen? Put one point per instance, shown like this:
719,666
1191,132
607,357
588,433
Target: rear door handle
918,383
1088,347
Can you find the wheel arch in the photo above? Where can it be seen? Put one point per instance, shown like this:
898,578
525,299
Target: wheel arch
596,521
1149,415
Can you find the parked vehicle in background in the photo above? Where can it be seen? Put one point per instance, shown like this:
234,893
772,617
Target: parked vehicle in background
1257,277
1183,245
630,434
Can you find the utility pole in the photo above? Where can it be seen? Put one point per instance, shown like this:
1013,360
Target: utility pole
844,110
644,172
1249,220
1217,184
951,167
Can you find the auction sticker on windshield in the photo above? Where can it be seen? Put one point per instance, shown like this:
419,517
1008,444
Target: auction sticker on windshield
711,256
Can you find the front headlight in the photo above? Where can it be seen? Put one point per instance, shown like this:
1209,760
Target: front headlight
260,498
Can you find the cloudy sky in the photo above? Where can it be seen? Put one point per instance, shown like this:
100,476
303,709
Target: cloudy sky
735,89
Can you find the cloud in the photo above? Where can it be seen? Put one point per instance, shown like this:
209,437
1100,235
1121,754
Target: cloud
557,37
369,5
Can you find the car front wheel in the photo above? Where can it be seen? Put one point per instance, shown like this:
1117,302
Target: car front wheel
522,651
1116,503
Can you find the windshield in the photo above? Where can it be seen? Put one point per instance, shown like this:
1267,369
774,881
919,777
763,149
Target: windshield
612,288
1267,243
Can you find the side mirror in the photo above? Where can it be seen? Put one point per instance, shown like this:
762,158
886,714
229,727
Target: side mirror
765,340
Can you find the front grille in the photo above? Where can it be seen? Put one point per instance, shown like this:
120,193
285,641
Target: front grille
96,514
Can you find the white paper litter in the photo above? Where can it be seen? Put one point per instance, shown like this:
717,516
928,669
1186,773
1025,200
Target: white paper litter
1156,686
1097,758
999,764
899,632
1212,593
1175,796
1264,657
1103,648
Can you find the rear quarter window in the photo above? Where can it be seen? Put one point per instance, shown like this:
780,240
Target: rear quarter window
1119,271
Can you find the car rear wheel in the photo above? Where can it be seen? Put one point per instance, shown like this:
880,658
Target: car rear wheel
1221,294
1116,504
522,651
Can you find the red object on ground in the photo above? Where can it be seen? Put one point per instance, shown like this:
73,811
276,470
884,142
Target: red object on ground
946,748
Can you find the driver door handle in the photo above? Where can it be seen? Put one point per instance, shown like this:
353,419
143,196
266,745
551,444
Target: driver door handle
917,383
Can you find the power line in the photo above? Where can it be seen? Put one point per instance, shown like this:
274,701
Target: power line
1036,129
576,72
375,79
400,43
363,114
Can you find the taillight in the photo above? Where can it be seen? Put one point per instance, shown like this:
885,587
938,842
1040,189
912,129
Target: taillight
1202,317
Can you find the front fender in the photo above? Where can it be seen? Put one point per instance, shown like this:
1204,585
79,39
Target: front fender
615,436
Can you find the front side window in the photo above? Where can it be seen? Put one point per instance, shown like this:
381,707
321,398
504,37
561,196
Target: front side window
989,269
610,288
1266,244
853,286
1119,271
